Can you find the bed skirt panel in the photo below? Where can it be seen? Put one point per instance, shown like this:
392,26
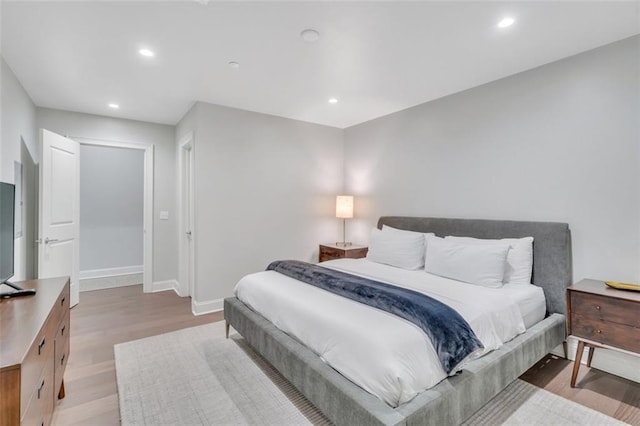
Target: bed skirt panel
449,403
453,401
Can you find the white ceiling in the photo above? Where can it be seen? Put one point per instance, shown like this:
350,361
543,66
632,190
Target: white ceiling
375,57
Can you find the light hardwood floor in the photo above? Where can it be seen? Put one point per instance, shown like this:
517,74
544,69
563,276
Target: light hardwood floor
102,319
107,317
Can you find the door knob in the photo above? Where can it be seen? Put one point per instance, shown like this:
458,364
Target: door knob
188,233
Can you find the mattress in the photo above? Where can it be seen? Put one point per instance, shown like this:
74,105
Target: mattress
385,355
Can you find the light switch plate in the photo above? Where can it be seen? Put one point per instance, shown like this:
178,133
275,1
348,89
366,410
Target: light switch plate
164,215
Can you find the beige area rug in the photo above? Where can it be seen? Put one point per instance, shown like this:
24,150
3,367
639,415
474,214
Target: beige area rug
197,377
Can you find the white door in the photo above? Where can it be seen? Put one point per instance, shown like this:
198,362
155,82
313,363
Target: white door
186,221
59,211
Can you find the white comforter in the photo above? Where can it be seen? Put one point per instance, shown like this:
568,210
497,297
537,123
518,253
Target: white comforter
385,355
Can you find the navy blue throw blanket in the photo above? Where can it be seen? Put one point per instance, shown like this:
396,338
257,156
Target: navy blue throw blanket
449,333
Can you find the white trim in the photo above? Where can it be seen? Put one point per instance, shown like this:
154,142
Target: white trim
186,268
101,283
619,363
75,294
147,284
164,286
111,272
200,308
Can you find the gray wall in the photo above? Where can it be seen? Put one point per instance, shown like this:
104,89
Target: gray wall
111,207
20,143
557,143
89,126
265,189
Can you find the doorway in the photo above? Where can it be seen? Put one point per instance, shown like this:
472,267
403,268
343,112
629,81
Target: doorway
186,213
93,277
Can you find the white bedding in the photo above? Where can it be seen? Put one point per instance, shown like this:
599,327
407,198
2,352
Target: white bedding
385,355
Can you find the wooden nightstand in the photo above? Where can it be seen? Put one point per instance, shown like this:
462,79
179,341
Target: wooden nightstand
602,317
332,251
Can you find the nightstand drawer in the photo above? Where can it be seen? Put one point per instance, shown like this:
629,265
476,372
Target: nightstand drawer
331,252
605,308
606,333
328,252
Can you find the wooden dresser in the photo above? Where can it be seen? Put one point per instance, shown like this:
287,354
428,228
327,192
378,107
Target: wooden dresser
600,316
332,251
34,349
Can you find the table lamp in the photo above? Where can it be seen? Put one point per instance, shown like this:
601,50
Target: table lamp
344,210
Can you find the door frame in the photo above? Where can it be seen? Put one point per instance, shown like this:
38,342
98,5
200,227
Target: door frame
147,215
186,147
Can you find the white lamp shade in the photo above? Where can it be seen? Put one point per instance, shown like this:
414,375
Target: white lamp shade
344,206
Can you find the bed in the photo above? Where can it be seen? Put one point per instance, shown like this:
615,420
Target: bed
456,398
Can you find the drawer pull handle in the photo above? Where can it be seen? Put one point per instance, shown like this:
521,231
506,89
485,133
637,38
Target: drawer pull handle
40,388
62,331
40,346
597,307
62,300
62,359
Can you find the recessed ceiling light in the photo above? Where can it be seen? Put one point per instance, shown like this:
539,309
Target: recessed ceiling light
333,101
310,35
234,65
146,52
114,106
506,22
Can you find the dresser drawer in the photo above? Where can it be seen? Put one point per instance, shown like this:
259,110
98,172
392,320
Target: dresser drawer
61,353
606,308
62,305
40,405
608,333
39,356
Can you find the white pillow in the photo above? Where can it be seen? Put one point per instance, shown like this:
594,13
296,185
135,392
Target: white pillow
400,249
519,259
480,264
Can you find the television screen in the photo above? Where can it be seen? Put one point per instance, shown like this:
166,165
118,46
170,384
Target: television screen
7,207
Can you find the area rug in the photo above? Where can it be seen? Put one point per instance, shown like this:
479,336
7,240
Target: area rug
195,376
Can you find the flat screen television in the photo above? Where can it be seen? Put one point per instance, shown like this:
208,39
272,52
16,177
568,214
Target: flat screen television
7,225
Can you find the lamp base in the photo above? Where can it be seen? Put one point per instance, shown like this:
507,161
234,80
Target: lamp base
343,244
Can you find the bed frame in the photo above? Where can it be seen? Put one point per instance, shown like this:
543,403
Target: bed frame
455,399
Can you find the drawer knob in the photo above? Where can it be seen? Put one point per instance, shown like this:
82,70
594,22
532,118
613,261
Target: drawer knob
40,346
597,307
598,331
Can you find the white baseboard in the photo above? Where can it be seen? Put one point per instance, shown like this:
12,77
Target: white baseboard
619,363
165,285
111,272
112,281
200,308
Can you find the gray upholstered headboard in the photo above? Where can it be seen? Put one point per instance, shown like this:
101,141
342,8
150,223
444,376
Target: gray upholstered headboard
551,246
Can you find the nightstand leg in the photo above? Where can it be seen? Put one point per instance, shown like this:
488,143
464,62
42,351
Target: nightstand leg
226,328
576,363
590,357
566,351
